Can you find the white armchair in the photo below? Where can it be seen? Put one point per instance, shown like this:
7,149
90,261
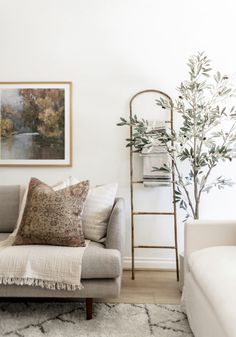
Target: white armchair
208,233
210,277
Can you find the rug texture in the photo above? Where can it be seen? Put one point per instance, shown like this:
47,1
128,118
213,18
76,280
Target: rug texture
110,320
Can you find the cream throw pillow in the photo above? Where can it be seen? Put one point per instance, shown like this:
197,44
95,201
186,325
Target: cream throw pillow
65,183
97,210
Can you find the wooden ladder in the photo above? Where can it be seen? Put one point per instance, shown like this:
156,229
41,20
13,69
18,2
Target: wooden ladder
132,182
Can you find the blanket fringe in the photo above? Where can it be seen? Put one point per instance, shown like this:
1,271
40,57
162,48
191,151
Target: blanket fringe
51,285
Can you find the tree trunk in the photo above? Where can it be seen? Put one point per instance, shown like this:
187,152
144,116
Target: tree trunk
196,213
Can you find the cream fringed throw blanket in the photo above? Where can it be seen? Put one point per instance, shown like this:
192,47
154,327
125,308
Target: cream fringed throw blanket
51,267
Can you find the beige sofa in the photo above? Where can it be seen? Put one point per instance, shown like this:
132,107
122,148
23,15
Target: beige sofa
101,265
210,277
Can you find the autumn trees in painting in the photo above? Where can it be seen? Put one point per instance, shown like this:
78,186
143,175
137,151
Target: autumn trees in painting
32,123
37,110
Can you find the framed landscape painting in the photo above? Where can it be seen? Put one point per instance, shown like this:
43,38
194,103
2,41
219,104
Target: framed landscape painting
35,124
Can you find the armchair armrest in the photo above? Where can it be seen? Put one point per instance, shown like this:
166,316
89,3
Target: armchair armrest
207,233
116,227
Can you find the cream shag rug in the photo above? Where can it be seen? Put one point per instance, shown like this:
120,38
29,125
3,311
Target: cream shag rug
56,319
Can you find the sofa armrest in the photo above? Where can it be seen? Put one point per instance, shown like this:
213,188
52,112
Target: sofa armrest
208,233
116,227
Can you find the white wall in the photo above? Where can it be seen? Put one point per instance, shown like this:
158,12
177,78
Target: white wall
110,49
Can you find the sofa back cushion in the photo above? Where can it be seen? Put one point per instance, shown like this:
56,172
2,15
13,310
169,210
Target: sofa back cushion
9,207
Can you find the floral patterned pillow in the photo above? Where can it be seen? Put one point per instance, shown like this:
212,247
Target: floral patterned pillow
53,217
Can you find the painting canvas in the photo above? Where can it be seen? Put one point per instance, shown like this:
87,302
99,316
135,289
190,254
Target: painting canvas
35,123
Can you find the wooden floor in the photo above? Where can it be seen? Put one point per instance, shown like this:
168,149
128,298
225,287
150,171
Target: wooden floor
149,287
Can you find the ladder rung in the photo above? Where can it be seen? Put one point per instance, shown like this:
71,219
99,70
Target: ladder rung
153,213
152,181
162,247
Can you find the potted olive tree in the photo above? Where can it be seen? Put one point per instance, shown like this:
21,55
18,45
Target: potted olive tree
206,137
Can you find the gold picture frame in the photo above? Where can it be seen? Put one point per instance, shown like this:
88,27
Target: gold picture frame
36,124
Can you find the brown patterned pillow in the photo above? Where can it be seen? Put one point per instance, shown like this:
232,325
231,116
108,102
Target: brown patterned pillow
53,217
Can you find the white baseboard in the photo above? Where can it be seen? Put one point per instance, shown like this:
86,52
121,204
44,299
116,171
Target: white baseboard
150,263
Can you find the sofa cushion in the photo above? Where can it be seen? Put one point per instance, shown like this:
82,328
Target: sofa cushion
98,262
214,270
53,217
9,207
97,208
23,198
